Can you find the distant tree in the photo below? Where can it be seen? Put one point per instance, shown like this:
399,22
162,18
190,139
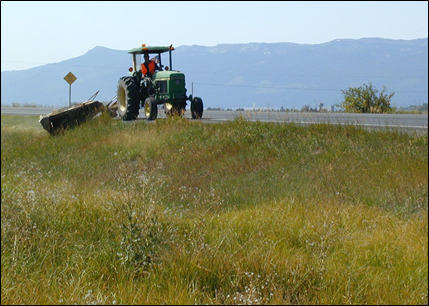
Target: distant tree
306,108
364,99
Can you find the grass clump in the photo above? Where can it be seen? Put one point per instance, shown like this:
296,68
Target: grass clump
182,212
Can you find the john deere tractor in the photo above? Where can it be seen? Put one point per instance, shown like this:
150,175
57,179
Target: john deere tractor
165,87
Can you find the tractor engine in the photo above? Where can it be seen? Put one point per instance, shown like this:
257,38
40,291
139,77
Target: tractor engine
170,86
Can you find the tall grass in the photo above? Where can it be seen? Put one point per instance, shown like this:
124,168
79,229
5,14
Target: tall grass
177,211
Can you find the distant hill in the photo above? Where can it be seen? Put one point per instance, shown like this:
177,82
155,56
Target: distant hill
272,75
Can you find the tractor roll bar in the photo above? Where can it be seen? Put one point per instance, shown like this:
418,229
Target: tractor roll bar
169,55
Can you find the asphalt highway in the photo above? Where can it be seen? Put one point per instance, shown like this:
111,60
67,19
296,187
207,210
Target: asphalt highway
417,122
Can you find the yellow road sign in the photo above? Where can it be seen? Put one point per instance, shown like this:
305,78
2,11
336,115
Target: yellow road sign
70,78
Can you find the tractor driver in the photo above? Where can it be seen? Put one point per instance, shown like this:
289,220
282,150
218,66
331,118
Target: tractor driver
149,66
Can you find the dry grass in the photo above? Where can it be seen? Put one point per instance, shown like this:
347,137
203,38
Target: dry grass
182,212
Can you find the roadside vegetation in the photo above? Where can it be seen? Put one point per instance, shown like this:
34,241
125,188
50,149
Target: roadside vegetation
365,99
177,211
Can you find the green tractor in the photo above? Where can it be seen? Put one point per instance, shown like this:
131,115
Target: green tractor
164,87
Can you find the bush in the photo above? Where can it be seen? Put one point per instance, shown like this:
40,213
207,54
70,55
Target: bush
364,99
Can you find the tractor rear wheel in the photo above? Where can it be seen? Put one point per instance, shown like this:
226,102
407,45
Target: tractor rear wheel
197,108
128,98
150,108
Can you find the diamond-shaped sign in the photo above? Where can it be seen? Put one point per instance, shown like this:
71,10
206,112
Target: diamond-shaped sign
70,78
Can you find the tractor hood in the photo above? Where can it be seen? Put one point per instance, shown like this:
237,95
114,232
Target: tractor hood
169,74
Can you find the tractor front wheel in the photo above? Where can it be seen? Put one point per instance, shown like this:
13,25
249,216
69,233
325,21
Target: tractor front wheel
150,108
197,108
128,98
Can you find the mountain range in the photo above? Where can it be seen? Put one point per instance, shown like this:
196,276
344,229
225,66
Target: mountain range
274,75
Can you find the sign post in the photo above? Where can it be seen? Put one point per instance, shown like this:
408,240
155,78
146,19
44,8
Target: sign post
70,78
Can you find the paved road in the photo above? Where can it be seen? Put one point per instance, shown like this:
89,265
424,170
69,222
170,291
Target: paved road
403,121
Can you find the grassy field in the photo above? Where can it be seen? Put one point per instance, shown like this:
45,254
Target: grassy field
177,211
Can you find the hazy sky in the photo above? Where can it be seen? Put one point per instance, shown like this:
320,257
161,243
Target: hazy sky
35,33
